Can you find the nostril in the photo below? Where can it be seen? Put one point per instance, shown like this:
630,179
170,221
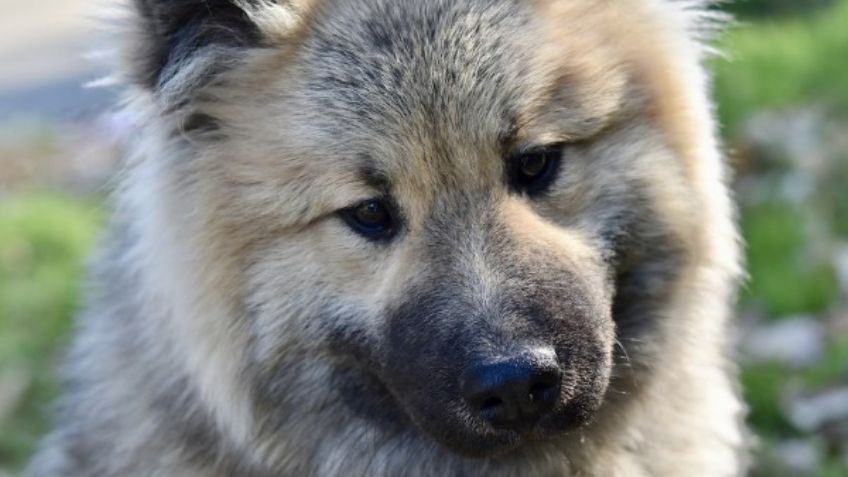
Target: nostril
513,393
493,409
539,391
491,404
542,394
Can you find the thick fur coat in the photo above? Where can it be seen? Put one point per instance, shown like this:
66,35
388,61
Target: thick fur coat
247,320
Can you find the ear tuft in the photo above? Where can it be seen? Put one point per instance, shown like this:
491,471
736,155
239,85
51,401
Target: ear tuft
173,32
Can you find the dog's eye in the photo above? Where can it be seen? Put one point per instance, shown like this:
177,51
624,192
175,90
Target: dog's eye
373,219
533,171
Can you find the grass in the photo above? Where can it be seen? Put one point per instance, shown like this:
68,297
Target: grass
834,200
806,59
784,278
783,62
760,8
43,239
780,63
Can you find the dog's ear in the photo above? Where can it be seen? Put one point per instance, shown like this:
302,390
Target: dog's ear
171,32
194,39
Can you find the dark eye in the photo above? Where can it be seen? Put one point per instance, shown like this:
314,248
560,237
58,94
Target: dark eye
373,219
533,171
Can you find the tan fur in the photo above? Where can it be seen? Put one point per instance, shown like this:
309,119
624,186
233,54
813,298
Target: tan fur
238,248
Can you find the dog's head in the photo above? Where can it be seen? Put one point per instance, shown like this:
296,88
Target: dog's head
433,215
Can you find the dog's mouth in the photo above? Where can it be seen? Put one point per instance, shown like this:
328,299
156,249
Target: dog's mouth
493,410
491,419
472,433
504,442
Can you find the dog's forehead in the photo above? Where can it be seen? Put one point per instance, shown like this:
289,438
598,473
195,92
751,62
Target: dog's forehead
450,81
423,68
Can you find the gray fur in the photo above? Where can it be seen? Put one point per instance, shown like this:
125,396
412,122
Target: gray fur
238,327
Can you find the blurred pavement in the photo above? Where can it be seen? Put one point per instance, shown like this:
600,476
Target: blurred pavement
42,64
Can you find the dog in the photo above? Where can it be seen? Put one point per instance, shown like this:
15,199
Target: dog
419,238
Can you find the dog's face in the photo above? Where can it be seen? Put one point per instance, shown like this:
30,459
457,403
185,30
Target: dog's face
442,209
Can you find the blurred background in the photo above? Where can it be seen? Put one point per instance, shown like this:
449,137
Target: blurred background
782,90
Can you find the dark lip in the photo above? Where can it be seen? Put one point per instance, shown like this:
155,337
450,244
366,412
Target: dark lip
500,442
509,442
492,443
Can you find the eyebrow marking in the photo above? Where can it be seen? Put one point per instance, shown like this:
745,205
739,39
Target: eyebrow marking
373,176
508,135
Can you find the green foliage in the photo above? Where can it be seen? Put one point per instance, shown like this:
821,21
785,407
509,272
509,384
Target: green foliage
785,278
760,8
832,368
780,64
834,201
762,385
833,468
769,466
785,62
43,239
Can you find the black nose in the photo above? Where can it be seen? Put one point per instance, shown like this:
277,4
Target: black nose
513,393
